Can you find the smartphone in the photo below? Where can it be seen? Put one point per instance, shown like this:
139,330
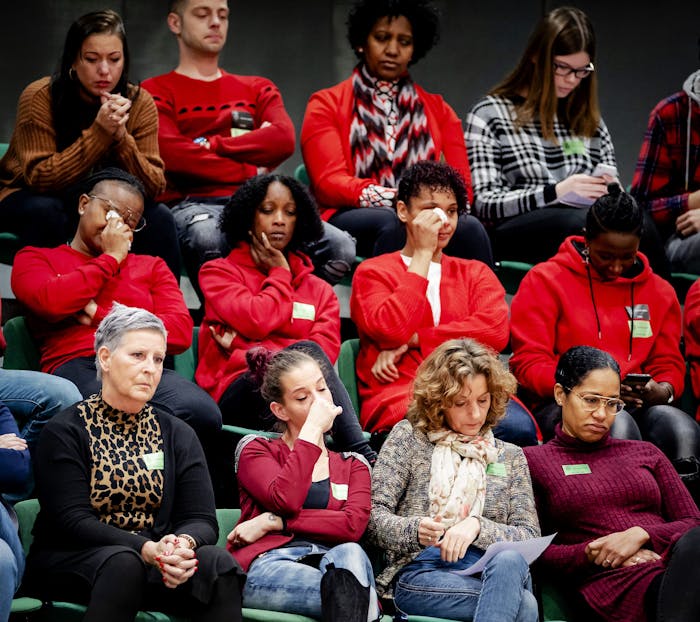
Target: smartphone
636,381
604,169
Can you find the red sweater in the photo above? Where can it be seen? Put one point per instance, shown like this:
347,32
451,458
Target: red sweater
389,304
692,338
55,284
630,483
325,144
189,108
273,478
273,310
553,311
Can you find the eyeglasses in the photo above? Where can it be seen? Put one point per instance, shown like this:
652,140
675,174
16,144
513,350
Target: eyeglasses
126,215
592,402
563,70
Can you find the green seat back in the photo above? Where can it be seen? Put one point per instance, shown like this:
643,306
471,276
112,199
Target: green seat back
186,362
3,148
681,282
346,370
510,273
21,351
300,174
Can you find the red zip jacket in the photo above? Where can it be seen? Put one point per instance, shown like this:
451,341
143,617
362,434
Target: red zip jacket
56,283
389,304
325,145
273,478
692,338
273,310
554,310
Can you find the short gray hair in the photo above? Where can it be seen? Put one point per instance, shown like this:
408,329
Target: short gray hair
120,320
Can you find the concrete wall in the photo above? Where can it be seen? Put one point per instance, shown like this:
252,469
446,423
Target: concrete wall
646,49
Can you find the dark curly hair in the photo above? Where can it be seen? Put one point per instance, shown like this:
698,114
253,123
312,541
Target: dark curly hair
422,14
237,217
616,212
436,176
577,362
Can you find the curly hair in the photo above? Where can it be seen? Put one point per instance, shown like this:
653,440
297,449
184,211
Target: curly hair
615,212
422,14
440,379
435,176
237,217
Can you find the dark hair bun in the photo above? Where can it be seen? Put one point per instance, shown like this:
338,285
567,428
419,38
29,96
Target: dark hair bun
614,189
258,358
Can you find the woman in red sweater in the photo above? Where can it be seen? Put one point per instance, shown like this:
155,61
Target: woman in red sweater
628,532
599,290
264,294
303,508
359,136
69,289
407,303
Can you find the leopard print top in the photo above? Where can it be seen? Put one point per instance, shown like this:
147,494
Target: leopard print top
126,483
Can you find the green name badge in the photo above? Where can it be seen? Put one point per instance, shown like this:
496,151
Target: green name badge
339,491
573,146
303,311
576,469
496,468
640,328
154,461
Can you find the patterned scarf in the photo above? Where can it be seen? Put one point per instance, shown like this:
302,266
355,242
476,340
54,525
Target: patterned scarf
371,155
458,474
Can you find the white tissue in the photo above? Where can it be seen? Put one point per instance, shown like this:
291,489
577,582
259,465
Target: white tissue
441,213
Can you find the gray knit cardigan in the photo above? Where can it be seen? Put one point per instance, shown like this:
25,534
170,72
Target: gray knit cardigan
400,483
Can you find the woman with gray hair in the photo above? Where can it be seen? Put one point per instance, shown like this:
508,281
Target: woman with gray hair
127,519
444,489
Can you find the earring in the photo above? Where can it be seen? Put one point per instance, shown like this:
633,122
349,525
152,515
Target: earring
586,254
71,73
361,50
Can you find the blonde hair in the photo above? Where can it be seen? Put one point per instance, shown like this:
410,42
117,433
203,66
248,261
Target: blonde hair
440,379
563,31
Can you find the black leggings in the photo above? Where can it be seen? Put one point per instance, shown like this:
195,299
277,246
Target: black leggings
242,405
674,595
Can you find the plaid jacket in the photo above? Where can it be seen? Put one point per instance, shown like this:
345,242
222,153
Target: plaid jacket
659,179
515,170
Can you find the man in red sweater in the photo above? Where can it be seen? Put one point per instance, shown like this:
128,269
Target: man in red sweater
216,130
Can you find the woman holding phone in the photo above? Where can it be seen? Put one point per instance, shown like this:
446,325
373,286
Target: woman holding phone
599,290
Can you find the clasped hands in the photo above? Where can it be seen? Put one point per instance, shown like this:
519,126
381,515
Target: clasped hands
113,114
621,549
453,541
173,557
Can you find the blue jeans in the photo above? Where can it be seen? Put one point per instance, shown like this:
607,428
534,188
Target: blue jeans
278,582
33,398
427,587
11,562
517,426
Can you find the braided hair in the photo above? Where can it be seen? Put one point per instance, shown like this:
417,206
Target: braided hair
615,212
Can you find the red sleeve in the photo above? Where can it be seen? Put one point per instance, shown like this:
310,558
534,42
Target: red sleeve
486,318
325,146
53,295
692,334
326,327
233,298
534,313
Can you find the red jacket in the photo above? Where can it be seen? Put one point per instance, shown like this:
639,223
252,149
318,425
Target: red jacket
189,108
273,478
389,304
55,284
264,310
553,311
325,144
692,338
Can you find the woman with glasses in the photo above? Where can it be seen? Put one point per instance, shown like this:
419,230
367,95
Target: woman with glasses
536,140
599,290
628,532
86,117
69,289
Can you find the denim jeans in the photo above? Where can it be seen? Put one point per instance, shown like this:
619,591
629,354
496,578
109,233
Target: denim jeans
33,398
427,586
278,582
11,562
517,426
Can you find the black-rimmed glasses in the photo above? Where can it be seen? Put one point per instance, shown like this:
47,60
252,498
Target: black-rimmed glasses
563,70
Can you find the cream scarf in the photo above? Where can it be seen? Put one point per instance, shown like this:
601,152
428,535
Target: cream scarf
458,474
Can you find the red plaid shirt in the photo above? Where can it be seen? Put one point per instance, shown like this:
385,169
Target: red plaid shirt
659,178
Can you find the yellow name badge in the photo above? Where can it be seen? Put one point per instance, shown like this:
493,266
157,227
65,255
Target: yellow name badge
303,311
154,461
496,468
573,146
640,328
339,491
576,469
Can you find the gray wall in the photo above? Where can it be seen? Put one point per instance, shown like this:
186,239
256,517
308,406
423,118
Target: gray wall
646,50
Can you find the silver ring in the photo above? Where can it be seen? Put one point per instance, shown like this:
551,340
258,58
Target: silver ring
606,562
